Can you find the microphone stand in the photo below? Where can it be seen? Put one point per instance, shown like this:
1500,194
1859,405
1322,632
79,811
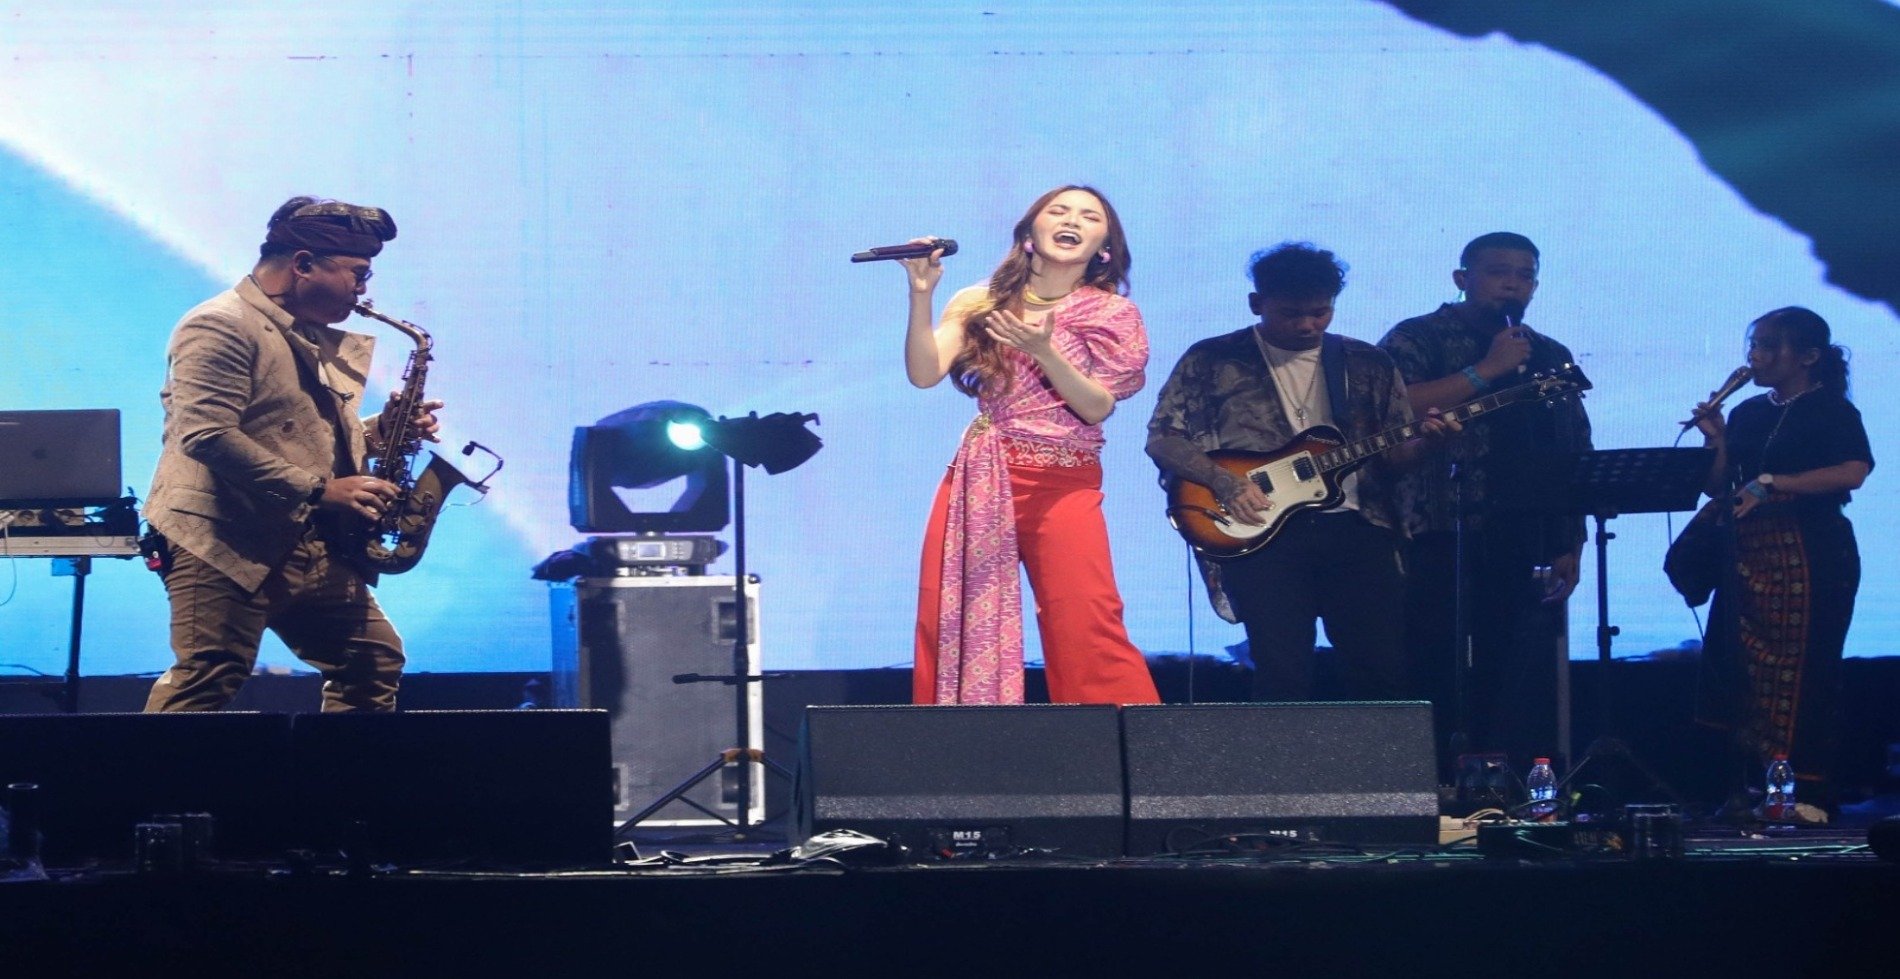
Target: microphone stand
743,754
1459,738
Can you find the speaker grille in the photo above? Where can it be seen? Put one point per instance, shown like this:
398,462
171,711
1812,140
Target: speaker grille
1333,772
618,643
1047,777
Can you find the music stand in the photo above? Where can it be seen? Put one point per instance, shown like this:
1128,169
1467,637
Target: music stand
1606,484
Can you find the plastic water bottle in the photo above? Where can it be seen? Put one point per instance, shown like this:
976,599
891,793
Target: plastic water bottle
1542,783
1779,804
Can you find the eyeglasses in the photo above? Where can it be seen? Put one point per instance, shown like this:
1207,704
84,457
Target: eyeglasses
363,273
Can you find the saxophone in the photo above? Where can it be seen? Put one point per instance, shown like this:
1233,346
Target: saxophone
395,542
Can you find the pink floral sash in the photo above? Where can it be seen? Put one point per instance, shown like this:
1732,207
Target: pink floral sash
980,607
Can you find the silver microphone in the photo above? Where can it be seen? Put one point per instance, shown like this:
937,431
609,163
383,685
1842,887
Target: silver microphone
1736,378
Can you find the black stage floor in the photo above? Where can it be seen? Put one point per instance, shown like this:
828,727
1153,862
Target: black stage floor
1807,903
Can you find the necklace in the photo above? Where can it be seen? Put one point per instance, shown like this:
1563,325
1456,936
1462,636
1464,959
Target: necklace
1312,380
1775,398
1029,296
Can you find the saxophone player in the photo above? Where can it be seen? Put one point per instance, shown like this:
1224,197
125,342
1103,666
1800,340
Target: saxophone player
263,469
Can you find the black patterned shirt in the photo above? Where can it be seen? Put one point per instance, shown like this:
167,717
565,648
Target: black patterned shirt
1496,451
1222,396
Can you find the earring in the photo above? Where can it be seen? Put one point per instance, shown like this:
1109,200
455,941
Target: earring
1029,247
1102,256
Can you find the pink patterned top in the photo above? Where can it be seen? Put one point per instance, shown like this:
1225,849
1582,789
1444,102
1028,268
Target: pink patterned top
980,612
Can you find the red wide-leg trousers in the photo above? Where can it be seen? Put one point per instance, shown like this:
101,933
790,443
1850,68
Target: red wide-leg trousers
1087,657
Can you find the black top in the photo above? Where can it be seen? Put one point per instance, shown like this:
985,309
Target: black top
1813,431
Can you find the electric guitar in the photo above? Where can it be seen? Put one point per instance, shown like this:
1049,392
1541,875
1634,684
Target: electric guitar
1306,472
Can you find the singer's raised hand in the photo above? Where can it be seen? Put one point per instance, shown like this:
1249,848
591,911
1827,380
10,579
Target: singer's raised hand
924,272
1510,348
1033,339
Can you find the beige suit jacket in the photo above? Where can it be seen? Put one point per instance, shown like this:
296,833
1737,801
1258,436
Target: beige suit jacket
247,440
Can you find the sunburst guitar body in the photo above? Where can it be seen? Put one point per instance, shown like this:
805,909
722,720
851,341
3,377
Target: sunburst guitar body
1306,472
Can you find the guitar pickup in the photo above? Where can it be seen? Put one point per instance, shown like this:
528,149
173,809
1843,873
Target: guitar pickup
1303,468
1263,479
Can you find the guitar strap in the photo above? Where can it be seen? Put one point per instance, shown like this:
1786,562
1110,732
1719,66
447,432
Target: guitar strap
1332,360
1332,364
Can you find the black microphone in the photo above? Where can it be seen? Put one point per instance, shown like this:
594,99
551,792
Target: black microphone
1738,377
908,250
1514,321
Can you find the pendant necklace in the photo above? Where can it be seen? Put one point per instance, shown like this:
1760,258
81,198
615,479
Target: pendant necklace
1775,398
1312,382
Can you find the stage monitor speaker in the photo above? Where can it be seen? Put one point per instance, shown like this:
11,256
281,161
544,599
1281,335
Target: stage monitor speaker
618,644
1883,837
950,781
100,775
1330,773
514,788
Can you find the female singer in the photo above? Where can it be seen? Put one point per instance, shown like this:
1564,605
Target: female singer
1770,668
1047,347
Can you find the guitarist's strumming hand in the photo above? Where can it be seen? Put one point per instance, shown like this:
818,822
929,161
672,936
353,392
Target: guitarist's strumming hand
1243,500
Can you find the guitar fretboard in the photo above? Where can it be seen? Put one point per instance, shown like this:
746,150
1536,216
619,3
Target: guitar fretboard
1353,453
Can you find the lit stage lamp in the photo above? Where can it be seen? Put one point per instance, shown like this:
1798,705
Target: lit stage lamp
652,444
643,447
778,442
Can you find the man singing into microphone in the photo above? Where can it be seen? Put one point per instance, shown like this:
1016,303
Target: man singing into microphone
1514,606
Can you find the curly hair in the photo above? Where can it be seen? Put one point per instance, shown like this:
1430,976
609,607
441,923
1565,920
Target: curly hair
1296,270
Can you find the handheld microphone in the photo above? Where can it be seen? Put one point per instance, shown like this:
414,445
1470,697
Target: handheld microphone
1514,321
907,250
1736,378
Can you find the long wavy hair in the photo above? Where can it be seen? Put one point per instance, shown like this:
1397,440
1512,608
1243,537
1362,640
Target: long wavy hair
982,364
1800,328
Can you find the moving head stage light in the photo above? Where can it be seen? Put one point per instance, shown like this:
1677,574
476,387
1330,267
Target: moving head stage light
644,447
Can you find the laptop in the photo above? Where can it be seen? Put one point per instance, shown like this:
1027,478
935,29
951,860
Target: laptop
60,458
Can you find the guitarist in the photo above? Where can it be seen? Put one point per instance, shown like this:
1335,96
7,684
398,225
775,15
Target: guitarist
1464,350
1254,390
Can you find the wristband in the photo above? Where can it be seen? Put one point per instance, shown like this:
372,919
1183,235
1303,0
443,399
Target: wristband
1756,490
1477,383
316,495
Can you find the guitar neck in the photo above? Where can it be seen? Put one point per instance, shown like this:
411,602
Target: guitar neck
1354,453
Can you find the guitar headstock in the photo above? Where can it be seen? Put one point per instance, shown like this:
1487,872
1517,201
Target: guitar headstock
1554,384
